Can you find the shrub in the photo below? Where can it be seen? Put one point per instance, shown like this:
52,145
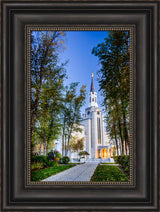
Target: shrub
43,160
65,159
123,160
53,154
58,155
39,158
127,169
56,159
83,153
36,165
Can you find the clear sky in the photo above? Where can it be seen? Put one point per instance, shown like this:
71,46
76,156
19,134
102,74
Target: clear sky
82,62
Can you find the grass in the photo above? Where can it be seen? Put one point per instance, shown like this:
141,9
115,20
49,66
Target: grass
47,172
36,165
107,163
111,173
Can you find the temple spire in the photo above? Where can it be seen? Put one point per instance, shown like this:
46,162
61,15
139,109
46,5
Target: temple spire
92,85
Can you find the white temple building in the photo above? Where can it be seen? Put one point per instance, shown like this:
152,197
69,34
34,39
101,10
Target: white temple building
96,142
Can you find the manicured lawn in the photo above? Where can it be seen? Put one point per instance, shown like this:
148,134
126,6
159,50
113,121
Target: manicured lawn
108,173
47,172
107,163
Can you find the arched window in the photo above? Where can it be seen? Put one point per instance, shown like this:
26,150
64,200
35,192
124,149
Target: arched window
92,99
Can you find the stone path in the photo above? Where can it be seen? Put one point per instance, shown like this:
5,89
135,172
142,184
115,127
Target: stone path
77,173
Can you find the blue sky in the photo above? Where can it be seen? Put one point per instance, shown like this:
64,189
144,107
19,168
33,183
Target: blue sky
82,62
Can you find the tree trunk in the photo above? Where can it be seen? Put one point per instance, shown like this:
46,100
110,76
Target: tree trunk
115,136
47,147
62,144
68,144
34,114
125,128
40,148
44,144
120,132
65,145
67,148
116,144
119,145
63,135
120,129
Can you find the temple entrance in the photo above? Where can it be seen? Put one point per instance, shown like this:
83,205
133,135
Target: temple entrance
102,153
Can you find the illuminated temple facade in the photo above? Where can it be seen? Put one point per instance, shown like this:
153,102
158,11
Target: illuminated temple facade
96,139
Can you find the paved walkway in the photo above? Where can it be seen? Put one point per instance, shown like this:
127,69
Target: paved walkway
77,173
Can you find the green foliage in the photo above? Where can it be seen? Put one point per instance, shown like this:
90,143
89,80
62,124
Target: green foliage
51,155
47,79
127,169
83,153
47,172
55,108
114,82
123,160
107,163
73,100
36,165
77,143
54,156
39,158
109,173
58,155
65,159
43,160
57,159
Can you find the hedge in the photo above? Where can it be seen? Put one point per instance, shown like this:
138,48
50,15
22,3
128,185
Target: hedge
123,160
43,160
65,159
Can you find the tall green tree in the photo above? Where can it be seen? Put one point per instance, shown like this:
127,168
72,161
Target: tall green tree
71,116
113,55
45,49
48,113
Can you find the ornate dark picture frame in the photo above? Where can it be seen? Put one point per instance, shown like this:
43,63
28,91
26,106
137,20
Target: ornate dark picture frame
17,193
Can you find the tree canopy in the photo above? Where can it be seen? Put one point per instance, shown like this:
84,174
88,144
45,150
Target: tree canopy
113,76
55,107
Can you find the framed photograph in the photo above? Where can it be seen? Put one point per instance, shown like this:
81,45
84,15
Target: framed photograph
66,146
80,104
